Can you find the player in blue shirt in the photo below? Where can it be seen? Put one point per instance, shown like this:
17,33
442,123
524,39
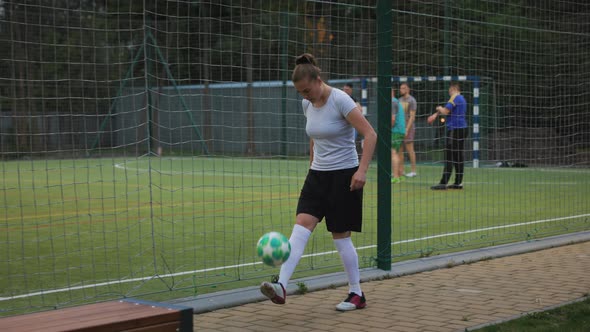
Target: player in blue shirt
456,133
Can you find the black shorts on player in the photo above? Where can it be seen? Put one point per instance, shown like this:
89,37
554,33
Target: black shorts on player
326,194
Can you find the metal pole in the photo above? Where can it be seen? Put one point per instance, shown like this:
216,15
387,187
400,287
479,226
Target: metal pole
384,70
284,78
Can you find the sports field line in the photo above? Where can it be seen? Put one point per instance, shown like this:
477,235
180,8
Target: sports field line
123,166
556,183
143,279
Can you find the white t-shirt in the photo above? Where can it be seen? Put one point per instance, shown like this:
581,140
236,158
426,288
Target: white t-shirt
332,134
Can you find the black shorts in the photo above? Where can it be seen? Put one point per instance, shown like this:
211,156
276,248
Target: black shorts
327,194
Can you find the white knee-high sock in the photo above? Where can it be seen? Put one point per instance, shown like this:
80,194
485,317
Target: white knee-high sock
298,241
350,261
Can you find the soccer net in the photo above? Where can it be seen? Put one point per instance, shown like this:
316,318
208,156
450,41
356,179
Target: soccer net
145,146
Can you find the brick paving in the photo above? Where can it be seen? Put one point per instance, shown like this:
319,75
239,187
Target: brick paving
447,299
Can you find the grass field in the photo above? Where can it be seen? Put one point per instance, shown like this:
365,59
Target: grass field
76,231
574,317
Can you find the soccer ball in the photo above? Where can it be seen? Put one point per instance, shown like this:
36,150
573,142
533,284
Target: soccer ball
273,248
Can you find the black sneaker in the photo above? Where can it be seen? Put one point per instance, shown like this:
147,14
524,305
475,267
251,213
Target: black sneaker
352,302
274,291
456,186
439,187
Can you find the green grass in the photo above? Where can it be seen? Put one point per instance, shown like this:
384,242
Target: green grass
574,317
171,227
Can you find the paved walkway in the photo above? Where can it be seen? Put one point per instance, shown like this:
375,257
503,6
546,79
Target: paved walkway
448,296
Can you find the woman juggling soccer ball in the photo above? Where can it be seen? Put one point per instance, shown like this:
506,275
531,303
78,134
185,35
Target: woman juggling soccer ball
333,188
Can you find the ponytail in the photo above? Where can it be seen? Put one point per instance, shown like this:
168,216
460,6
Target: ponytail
305,68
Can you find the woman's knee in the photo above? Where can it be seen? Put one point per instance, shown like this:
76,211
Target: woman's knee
307,220
337,236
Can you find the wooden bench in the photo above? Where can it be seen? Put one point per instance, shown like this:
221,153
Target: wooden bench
126,315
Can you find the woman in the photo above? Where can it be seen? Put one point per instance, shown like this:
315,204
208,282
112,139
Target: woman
333,188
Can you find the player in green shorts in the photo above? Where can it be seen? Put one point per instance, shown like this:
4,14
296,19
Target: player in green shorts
398,133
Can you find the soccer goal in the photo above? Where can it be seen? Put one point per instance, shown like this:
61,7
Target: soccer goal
474,116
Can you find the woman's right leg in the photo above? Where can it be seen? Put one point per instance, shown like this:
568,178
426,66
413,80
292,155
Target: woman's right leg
305,224
277,292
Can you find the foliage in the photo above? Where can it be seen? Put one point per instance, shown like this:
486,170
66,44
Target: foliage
73,56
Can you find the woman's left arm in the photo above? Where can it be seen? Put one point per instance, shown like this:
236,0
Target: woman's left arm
360,123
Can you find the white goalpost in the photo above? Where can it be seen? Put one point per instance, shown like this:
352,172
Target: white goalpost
474,80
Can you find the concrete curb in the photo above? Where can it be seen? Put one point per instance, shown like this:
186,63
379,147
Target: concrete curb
236,297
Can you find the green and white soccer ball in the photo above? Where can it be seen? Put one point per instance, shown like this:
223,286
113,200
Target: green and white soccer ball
273,248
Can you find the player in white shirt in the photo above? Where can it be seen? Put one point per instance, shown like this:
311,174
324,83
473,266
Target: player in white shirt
333,188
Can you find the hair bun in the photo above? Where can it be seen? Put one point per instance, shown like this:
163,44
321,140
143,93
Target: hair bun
305,58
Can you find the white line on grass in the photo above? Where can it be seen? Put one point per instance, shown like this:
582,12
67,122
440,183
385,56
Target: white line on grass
46,292
555,183
539,169
123,166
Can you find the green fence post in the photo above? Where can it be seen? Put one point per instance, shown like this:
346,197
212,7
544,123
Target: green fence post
284,77
384,56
